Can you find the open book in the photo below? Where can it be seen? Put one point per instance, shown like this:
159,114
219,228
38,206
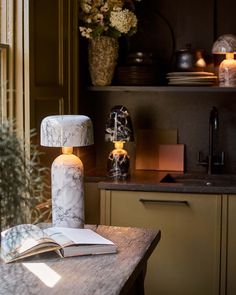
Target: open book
27,239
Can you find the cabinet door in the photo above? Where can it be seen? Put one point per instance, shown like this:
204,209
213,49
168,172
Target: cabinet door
231,246
91,202
52,70
186,261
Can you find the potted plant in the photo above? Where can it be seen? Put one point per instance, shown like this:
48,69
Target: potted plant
21,177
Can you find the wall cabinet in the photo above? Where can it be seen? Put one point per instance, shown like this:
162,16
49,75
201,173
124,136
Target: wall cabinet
187,259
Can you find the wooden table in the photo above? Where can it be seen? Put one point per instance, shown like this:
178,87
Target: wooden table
110,274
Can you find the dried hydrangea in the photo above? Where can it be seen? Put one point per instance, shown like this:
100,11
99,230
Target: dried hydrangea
107,18
123,20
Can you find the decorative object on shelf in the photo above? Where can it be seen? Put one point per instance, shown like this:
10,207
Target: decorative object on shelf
189,59
103,54
67,171
226,44
140,69
103,23
118,130
191,79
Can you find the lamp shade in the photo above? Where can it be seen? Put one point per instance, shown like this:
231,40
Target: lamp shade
225,43
66,131
119,125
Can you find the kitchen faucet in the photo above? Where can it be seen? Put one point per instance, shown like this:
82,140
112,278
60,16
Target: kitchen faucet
212,160
213,126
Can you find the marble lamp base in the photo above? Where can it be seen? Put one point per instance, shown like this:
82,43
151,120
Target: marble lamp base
227,73
118,166
67,191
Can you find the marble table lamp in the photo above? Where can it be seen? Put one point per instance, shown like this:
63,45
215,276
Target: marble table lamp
226,44
118,130
67,173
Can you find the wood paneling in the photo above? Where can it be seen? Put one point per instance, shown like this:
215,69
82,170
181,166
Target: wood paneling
53,64
53,72
225,17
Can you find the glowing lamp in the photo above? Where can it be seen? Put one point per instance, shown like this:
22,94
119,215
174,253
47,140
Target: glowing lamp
67,171
226,44
118,130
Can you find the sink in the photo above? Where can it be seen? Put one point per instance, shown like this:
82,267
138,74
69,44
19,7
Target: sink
200,179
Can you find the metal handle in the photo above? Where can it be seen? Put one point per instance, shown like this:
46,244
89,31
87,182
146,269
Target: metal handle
175,202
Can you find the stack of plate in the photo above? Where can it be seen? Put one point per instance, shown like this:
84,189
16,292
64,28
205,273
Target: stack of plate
136,75
191,78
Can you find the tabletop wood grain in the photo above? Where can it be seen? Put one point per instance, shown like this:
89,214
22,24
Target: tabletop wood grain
109,274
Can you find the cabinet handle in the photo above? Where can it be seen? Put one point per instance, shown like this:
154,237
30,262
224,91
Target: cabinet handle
175,202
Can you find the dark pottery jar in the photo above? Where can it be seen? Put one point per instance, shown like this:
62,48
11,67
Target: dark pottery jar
189,60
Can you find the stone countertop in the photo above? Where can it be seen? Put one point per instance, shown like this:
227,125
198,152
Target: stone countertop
109,274
143,180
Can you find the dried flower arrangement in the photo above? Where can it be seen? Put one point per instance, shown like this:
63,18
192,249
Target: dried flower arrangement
112,18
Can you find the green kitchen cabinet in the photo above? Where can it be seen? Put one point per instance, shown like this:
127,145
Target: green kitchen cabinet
187,259
91,203
230,245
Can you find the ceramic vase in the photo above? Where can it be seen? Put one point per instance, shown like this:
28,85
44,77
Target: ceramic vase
103,54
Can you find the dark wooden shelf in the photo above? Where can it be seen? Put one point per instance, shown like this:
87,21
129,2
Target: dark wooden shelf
205,89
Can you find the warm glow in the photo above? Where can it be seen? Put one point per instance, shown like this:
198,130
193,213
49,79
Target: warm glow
229,55
68,160
67,150
200,63
119,148
227,71
46,274
119,144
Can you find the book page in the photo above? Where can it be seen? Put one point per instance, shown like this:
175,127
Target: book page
21,239
76,236
57,235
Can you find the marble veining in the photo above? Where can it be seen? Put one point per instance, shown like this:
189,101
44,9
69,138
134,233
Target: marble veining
225,43
110,274
67,170
119,125
118,166
67,131
67,191
227,73
142,180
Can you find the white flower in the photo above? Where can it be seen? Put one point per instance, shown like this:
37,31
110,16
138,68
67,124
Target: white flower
123,20
107,17
98,18
117,8
88,20
86,7
85,32
105,7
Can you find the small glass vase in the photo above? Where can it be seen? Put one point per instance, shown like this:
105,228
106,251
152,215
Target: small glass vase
103,54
